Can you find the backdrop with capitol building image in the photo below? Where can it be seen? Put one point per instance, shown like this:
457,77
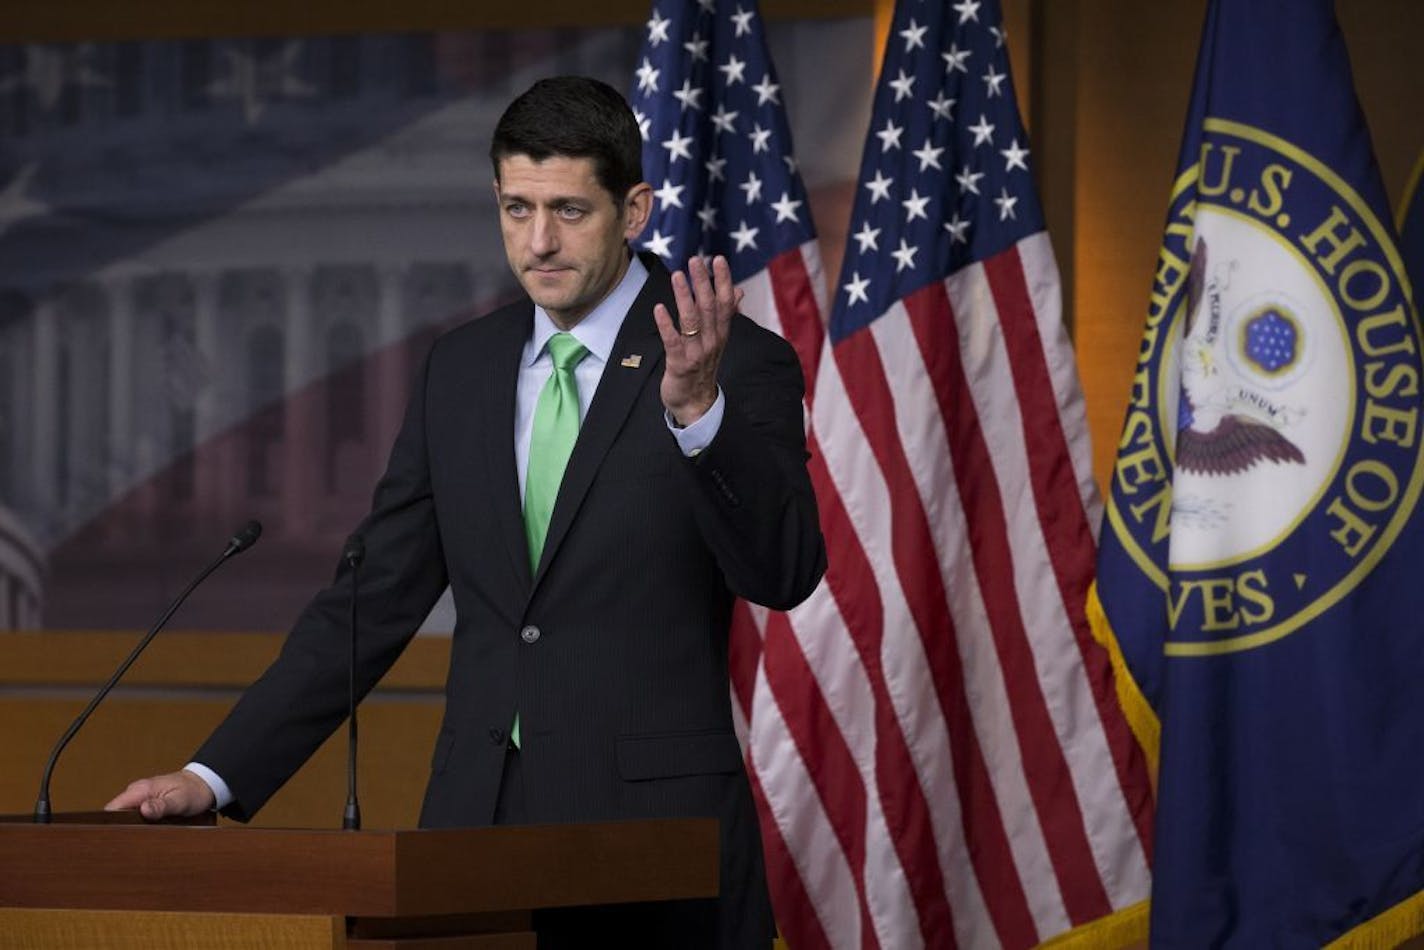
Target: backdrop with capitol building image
222,260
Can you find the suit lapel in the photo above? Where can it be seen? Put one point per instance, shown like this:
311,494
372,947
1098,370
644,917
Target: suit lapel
503,382
636,354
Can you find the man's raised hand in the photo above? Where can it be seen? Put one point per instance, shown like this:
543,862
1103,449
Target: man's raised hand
705,305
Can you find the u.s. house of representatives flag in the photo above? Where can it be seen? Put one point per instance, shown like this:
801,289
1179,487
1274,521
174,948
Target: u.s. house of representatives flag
934,735
1260,561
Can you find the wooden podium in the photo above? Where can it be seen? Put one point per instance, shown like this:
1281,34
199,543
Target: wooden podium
89,881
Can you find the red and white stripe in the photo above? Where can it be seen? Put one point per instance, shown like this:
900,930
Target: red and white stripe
933,736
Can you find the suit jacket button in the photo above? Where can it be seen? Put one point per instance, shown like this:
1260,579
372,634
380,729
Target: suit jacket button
529,634
496,736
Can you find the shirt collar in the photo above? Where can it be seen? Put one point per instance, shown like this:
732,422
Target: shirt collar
598,330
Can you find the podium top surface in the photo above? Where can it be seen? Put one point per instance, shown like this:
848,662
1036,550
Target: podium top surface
354,873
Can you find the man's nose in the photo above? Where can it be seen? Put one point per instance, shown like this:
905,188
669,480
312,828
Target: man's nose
544,236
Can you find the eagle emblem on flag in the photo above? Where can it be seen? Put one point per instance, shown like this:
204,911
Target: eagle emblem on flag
1224,426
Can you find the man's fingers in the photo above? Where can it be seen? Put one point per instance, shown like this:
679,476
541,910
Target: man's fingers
666,329
131,797
706,300
122,801
175,799
177,793
686,306
704,293
728,296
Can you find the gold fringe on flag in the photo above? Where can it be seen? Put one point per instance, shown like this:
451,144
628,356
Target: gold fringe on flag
1387,930
1126,928
1140,717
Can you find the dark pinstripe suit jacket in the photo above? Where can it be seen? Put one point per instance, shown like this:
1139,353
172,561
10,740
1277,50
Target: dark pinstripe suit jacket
623,693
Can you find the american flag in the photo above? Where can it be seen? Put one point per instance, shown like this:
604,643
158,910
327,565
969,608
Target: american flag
717,150
1005,800
934,736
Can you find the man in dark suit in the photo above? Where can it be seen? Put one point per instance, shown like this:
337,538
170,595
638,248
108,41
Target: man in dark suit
595,479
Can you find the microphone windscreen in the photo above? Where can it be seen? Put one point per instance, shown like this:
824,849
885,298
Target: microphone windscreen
354,551
245,537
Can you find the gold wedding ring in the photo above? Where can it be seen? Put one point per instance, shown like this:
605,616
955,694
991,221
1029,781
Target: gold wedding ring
693,332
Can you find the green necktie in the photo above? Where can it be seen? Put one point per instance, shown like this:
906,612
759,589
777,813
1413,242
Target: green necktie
556,426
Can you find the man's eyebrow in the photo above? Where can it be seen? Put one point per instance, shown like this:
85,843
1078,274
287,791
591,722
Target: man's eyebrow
554,202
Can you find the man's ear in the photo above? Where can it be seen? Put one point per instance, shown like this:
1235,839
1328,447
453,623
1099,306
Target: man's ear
495,183
637,208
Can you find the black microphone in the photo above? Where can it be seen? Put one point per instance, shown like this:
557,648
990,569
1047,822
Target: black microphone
352,554
245,538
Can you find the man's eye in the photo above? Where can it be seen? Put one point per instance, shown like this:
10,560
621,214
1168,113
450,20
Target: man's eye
516,210
570,213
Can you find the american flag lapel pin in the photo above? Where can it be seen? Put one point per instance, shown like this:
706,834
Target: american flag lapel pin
632,362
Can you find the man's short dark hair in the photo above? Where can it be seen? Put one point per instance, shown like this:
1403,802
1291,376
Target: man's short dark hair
574,117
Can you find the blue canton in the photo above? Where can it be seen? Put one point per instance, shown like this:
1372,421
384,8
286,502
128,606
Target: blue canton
945,180
716,144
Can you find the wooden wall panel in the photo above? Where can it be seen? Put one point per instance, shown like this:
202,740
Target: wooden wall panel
1384,40
1051,94
176,697
27,929
1133,73
67,20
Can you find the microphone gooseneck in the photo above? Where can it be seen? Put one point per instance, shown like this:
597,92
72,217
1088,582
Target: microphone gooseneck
353,553
243,539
